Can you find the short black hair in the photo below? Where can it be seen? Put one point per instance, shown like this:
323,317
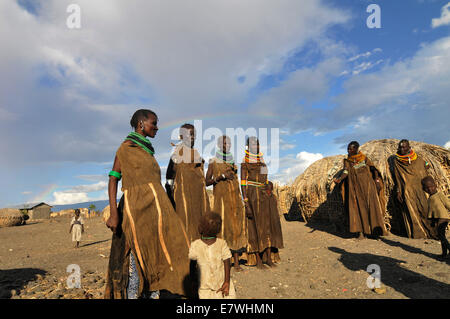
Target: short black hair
139,115
210,224
354,143
77,211
186,126
252,138
403,141
220,139
428,179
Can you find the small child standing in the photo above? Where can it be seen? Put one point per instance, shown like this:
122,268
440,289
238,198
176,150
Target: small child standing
213,260
438,211
77,228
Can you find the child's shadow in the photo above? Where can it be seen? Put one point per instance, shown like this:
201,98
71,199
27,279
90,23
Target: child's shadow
411,284
95,242
411,249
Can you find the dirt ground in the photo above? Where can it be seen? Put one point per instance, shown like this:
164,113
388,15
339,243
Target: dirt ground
316,262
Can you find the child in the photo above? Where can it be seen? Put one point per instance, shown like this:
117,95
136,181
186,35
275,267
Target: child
438,211
213,259
77,225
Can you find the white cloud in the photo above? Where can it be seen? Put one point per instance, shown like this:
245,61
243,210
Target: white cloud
182,56
406,99
447,145
284,146
294,166
63,198
93,178
80,193
287,146
88,188
444,19
357,66
365,66
362,122
289,105
364,55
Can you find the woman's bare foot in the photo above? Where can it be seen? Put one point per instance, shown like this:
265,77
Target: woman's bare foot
260,266
237,268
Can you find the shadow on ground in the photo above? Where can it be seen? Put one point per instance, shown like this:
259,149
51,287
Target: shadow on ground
16,279
95,242
411,284
328,217
412,250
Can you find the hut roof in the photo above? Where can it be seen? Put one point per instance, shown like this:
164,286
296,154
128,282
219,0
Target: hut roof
29,205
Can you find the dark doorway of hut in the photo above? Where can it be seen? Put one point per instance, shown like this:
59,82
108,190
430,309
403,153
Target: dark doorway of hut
330,216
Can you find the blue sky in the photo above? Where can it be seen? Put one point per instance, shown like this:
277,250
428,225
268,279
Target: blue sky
312,69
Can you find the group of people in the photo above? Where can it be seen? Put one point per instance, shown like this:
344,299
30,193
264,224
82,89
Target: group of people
169,242
363,194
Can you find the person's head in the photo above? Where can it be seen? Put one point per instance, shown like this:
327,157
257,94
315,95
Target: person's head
353,148
210,224
403,147
187,134
429,185
77,212
145,122
224,143
253,145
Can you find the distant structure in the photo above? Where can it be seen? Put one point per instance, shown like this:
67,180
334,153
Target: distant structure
35,210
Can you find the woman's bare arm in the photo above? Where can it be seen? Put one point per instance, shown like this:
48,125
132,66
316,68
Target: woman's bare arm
113,220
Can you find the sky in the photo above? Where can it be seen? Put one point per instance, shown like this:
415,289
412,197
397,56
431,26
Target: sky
307,76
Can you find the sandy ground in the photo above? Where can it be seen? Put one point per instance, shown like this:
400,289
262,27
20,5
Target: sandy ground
316,262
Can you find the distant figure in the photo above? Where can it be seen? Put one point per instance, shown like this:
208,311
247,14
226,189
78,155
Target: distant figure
77,228
222,173
186,184
213,257
363,186
409,169
438,212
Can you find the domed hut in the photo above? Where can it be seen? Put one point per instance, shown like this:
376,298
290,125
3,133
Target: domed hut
106,213
318,197
11,217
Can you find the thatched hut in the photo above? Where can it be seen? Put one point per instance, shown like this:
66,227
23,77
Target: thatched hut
318,198
65,213
35,211
84,212
11,217
285,197
106,213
